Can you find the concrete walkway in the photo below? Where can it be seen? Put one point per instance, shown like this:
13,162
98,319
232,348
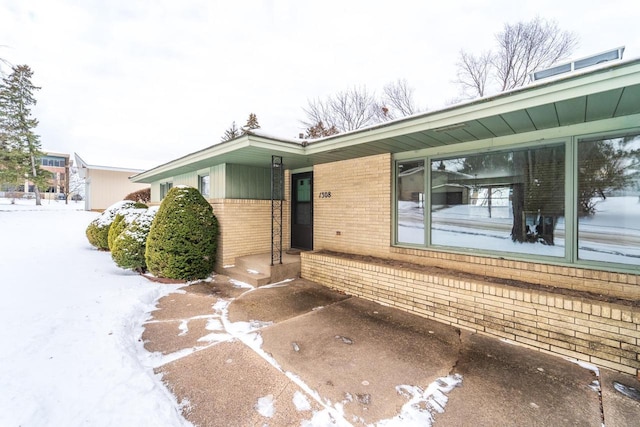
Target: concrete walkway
297,352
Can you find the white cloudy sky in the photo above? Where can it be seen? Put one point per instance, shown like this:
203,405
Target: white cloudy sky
136,83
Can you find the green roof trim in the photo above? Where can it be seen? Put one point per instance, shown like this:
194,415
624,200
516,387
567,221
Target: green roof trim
609,91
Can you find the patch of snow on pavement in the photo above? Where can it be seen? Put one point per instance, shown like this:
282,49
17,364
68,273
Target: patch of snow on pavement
301,402
422,404
265,406
71,351
248,333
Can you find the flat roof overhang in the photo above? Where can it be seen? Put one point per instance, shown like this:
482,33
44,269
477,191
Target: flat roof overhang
605,93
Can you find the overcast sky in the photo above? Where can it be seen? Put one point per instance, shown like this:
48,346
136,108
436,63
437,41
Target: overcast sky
138,83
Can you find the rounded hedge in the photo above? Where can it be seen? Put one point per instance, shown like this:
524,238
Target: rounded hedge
116,227
98,230
122,219
129,246
182,240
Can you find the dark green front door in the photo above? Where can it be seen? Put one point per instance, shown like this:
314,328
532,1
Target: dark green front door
302,211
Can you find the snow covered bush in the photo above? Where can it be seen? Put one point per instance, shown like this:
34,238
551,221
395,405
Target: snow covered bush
129,246
98,229
122,219
182,239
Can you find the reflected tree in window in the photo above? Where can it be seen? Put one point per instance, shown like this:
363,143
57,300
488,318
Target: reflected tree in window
537,194
609,199
605,166
498,200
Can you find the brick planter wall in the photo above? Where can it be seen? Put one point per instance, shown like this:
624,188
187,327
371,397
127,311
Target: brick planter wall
578,325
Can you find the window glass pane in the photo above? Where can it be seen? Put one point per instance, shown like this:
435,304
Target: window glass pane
510,201
304,190
204,185
410,194
609,200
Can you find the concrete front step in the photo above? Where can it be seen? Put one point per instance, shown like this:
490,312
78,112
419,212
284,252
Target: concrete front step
250,276
257,270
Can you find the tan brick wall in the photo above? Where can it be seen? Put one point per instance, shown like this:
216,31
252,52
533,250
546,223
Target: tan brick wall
603,333
357,219
620,285
357,216
245,227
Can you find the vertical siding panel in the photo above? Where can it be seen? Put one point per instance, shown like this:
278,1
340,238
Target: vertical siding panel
108,187
217,182
189,179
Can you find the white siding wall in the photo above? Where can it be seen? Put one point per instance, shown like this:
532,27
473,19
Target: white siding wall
108,187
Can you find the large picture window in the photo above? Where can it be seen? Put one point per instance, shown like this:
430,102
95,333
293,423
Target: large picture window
577,201
410,202
511,201
608,176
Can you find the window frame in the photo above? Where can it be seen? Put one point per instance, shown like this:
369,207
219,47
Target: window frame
624,267
164,188
570,143
201,178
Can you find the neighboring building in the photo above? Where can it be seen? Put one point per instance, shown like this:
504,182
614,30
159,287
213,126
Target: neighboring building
507,234
105,185
58,165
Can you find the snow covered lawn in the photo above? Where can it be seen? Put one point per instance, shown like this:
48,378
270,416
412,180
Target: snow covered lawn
71,320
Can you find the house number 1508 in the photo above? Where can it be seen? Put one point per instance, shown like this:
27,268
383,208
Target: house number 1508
325,194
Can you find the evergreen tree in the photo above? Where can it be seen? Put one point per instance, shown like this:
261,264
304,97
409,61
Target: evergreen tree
20,146
182,239
252,123
320,131
231,133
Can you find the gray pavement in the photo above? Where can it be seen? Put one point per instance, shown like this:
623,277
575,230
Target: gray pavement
298,353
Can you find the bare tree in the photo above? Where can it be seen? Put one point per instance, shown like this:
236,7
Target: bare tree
397,100
346,111
473,72
356,108
528,46
521,49
4,62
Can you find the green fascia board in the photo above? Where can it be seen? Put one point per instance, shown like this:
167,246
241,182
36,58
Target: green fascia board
575,86
489,112
223,152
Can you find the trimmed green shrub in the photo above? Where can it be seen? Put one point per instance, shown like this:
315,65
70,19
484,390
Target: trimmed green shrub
98,230
121,221
116,227
182,239
129,246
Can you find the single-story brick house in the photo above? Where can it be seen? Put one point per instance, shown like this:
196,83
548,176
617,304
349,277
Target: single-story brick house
515,215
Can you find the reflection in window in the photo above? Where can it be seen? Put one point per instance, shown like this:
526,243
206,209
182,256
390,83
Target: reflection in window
510,201
410,194
164,189
203,185
609,199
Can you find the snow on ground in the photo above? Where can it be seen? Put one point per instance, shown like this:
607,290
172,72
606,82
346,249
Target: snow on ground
71,321
71,351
